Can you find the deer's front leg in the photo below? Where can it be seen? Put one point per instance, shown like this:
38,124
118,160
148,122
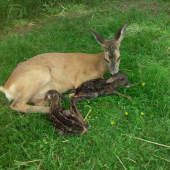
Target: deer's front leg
115,92
74,101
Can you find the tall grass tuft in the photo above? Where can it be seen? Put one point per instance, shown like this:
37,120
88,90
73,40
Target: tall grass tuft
19,9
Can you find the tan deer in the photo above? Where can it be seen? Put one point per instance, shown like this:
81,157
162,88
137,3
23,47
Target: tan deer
31,79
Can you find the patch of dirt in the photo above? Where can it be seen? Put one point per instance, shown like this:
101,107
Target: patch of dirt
151,6
20,28
125,5
141,5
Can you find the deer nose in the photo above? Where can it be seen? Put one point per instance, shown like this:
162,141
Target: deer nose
114,72
128,84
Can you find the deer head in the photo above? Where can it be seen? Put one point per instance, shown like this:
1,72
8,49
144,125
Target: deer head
111,48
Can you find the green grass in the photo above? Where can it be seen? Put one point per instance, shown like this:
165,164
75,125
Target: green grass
30,142
13,11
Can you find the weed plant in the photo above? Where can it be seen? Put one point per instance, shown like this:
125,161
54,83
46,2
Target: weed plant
123,134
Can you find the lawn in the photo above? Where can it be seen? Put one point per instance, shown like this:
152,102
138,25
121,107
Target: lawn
123,134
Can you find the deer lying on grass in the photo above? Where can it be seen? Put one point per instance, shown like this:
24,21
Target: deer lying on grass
66,122
31,79
100,87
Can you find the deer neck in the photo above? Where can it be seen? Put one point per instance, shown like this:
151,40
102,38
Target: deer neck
56,103
101,64
113,86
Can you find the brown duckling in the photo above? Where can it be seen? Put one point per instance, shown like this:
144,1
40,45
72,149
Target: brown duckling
100,87
66,122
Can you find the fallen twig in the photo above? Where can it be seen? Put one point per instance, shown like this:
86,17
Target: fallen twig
3,128
121,162
27,161
161,158
65,140
63,7
129,71
135,84
39,164
88,106
168,49
99,25
140,69
149,141
130,159
92,16
87,115
6,126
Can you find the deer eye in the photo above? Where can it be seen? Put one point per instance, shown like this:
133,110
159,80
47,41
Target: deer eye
118,58
106,60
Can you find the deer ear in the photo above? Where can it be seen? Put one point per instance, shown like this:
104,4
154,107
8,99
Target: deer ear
99,38
113,78
120,34
109,80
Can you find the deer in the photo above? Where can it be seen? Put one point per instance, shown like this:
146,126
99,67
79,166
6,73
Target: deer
99,87
66,122
31,79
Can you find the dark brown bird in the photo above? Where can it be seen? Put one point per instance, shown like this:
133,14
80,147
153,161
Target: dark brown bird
100,87
64,121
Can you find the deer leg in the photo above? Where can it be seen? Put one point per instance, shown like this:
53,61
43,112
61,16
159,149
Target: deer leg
72,92
19,104
74,101
84,130
71,108
115,92
40,102
80,117
74,105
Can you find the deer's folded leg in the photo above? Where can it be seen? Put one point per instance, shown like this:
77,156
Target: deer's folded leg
115,92
74,101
